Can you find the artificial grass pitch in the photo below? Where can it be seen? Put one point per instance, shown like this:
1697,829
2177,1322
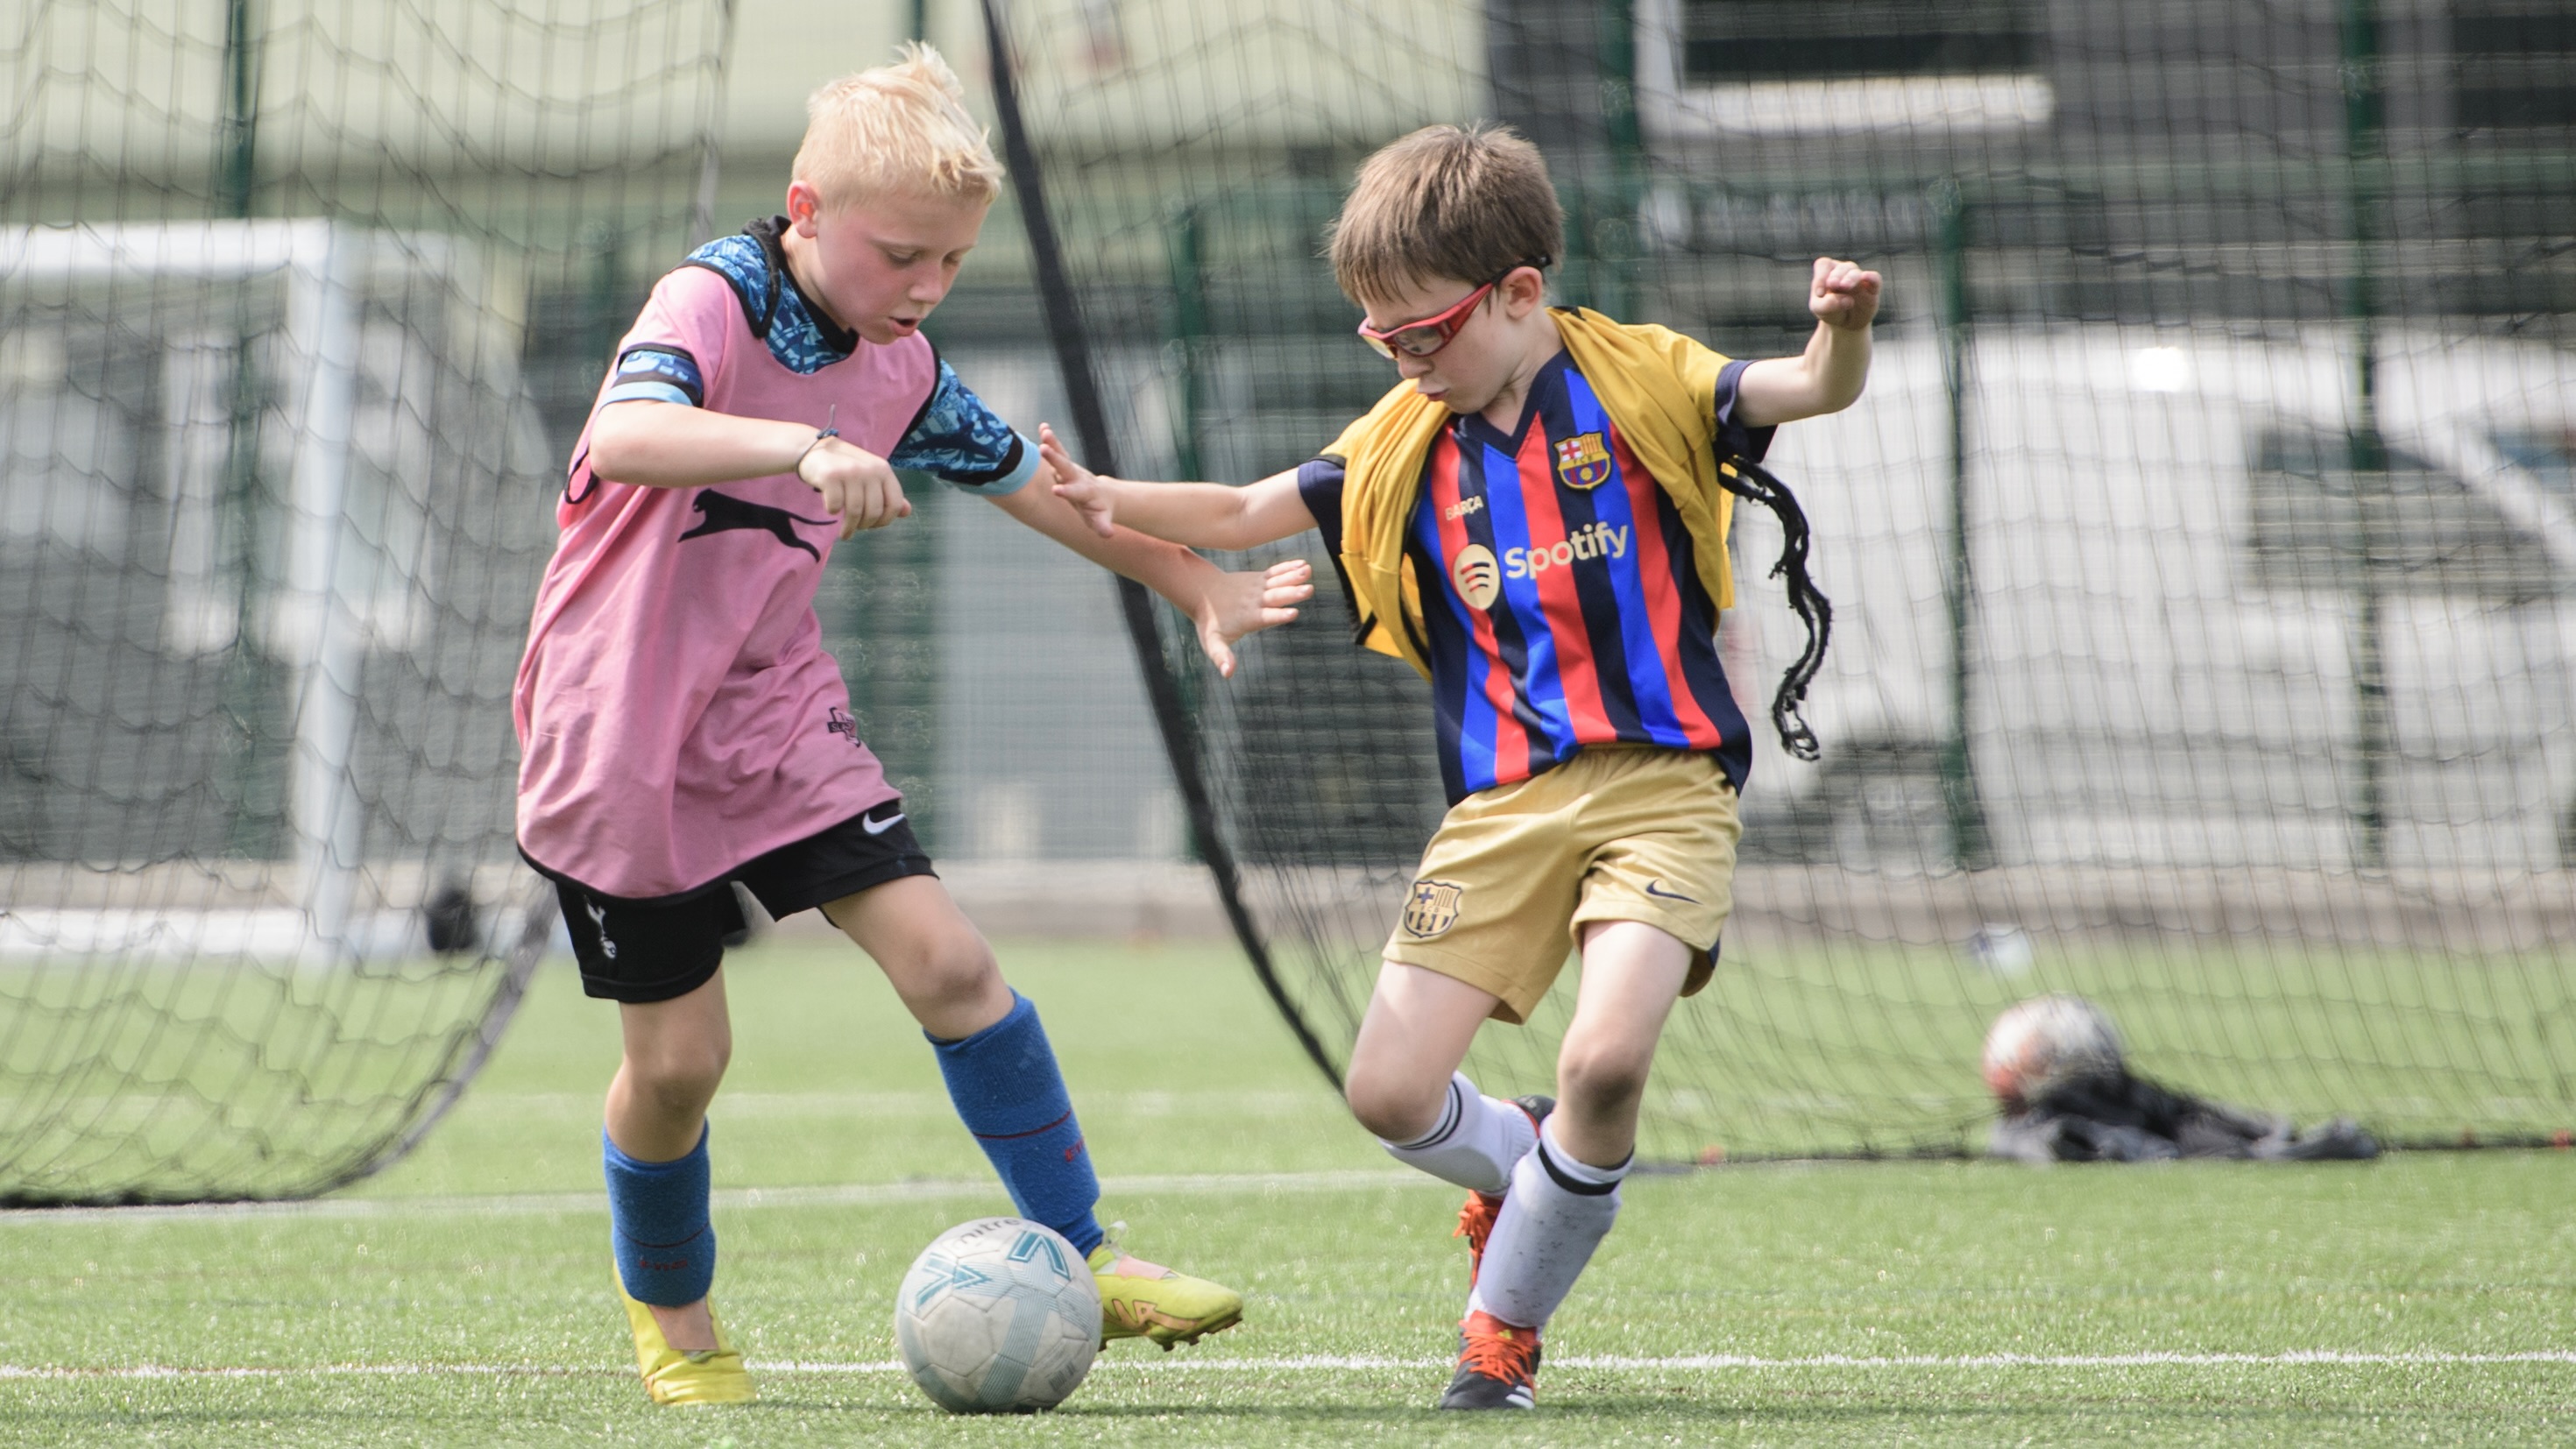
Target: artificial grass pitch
464,1298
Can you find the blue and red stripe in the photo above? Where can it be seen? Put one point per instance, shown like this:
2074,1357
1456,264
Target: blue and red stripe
1615,648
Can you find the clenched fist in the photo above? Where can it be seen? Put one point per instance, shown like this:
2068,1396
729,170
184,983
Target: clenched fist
1843,295
858,487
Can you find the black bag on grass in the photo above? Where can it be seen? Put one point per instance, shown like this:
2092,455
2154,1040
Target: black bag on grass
2125,1118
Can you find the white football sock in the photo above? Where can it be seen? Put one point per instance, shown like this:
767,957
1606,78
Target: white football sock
1557,1212
1475,1142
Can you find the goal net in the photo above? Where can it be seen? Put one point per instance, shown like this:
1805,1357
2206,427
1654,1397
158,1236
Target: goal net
2200,553
294,298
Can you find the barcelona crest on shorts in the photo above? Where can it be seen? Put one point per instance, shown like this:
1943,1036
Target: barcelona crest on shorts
1583,461
1432,908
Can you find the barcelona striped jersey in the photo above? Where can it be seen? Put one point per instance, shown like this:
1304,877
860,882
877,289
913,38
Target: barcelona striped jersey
1561,592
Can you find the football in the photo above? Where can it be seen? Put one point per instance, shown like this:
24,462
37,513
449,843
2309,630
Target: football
998,1316
2046,1042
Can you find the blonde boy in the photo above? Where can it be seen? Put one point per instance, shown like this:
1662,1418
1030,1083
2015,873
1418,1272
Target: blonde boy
683,729
1534,519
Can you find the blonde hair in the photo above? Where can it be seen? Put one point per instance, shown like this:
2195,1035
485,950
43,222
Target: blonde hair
899,127
1460,203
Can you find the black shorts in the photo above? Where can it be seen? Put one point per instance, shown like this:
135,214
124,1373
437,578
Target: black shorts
655,950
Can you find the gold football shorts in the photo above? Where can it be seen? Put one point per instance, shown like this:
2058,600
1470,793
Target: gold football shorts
1618,833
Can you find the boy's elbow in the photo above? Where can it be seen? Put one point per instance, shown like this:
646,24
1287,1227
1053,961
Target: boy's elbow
1196,525
1247,528
612,445
1237,535
1831,392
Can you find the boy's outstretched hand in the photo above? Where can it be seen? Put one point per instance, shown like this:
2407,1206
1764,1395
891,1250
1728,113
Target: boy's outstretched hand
1237,605
1843,295
1079,486
1231,606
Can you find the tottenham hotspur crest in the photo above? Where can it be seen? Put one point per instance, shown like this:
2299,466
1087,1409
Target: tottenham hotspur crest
1583,461
1432,908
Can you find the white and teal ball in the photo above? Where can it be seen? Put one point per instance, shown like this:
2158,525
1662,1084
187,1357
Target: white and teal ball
998,1316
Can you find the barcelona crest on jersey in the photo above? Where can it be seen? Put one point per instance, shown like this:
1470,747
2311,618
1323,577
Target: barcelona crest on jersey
1583,461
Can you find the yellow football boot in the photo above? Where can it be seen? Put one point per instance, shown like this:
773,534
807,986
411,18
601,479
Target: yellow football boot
1147,1300
715,1376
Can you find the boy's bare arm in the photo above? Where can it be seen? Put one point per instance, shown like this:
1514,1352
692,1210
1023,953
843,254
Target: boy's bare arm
670,445
1829,375
1201,515
1224,606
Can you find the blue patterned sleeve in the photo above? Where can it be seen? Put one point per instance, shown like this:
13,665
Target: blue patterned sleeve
656,372
959,440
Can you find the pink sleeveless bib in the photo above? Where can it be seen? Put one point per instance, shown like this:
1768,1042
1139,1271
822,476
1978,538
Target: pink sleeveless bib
676,711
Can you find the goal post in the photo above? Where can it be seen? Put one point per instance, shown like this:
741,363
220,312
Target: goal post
283,370
357,563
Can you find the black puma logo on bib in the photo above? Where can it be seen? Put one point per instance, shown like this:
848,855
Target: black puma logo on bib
724,511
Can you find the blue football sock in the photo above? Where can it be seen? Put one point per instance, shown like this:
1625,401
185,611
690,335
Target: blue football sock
657,1220
1011,1096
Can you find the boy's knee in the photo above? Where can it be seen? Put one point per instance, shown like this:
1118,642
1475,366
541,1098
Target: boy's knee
680,1078
960,969
951,981
1604,1074
1392,1109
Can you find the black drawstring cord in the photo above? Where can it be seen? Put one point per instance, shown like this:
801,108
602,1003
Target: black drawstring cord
1748,480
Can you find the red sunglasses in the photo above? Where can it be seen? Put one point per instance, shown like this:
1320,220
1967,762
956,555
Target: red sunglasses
1430,334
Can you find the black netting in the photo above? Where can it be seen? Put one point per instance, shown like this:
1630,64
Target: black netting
2200,555
300,302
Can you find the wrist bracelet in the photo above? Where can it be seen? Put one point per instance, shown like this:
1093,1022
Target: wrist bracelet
829,431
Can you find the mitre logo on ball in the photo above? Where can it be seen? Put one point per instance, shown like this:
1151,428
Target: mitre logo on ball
998,1316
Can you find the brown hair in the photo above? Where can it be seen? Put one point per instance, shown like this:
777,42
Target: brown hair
899,127
1461,203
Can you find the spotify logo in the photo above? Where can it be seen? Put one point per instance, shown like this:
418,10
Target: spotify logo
1477,576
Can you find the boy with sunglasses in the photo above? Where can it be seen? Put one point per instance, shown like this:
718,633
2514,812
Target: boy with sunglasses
1535,520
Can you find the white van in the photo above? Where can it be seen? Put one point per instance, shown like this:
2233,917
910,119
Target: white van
2174,566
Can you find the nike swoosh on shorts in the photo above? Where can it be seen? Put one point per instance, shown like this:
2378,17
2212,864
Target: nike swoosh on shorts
879,827
1650,890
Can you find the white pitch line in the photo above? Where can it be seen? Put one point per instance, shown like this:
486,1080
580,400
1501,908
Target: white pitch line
1309,1363
2292,1359
1151,1103
549,1204
1630,1363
